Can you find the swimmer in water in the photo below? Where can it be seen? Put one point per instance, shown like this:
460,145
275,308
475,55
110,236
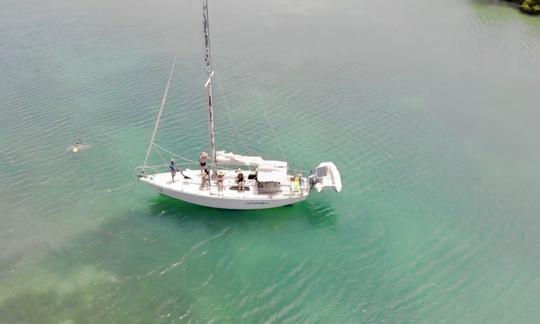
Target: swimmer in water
77,146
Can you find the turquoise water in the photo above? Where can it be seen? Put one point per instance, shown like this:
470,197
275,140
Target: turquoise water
430,110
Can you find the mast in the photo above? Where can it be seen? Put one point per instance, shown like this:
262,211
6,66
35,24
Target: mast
208,85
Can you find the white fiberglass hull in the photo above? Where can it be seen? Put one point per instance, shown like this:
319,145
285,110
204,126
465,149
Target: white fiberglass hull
190,190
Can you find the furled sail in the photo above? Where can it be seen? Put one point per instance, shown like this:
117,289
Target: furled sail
252,161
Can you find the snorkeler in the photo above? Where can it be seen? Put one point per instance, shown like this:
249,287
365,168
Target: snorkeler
77,146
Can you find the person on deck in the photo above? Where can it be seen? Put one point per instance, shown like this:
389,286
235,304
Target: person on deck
220,177
173,169
203,158
296,183
205,179
240,178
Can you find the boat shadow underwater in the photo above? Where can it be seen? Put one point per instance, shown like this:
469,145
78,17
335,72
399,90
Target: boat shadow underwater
317,214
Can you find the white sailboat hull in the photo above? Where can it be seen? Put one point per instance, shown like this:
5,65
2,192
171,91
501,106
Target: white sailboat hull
190,190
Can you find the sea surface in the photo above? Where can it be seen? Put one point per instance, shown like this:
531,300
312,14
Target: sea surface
430,109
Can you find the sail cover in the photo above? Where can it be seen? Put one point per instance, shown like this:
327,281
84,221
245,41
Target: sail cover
270,174
252,161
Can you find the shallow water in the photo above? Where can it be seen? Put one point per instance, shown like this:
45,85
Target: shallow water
429,109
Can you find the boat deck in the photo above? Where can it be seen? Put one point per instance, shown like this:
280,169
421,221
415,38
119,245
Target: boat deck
191,190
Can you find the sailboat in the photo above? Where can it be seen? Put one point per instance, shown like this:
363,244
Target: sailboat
266,183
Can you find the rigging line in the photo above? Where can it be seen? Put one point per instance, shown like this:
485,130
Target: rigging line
156,126
161,157
227,108
226,104
227,16
278,144
229,115
174,154
233,126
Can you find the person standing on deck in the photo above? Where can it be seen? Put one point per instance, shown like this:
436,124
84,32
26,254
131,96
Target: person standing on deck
205,180
203,158
173,169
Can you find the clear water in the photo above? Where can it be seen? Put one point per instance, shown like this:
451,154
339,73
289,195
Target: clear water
430,109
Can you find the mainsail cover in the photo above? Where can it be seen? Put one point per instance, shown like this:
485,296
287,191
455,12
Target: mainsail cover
252,161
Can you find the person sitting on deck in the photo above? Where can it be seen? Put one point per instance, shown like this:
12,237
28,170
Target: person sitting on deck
296,183
240,179
220,177
202,161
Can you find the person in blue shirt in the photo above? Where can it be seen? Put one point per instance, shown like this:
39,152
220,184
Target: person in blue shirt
173,169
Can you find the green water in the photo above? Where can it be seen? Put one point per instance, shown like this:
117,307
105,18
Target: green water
429,109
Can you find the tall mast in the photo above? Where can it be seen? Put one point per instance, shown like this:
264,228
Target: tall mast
208,85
